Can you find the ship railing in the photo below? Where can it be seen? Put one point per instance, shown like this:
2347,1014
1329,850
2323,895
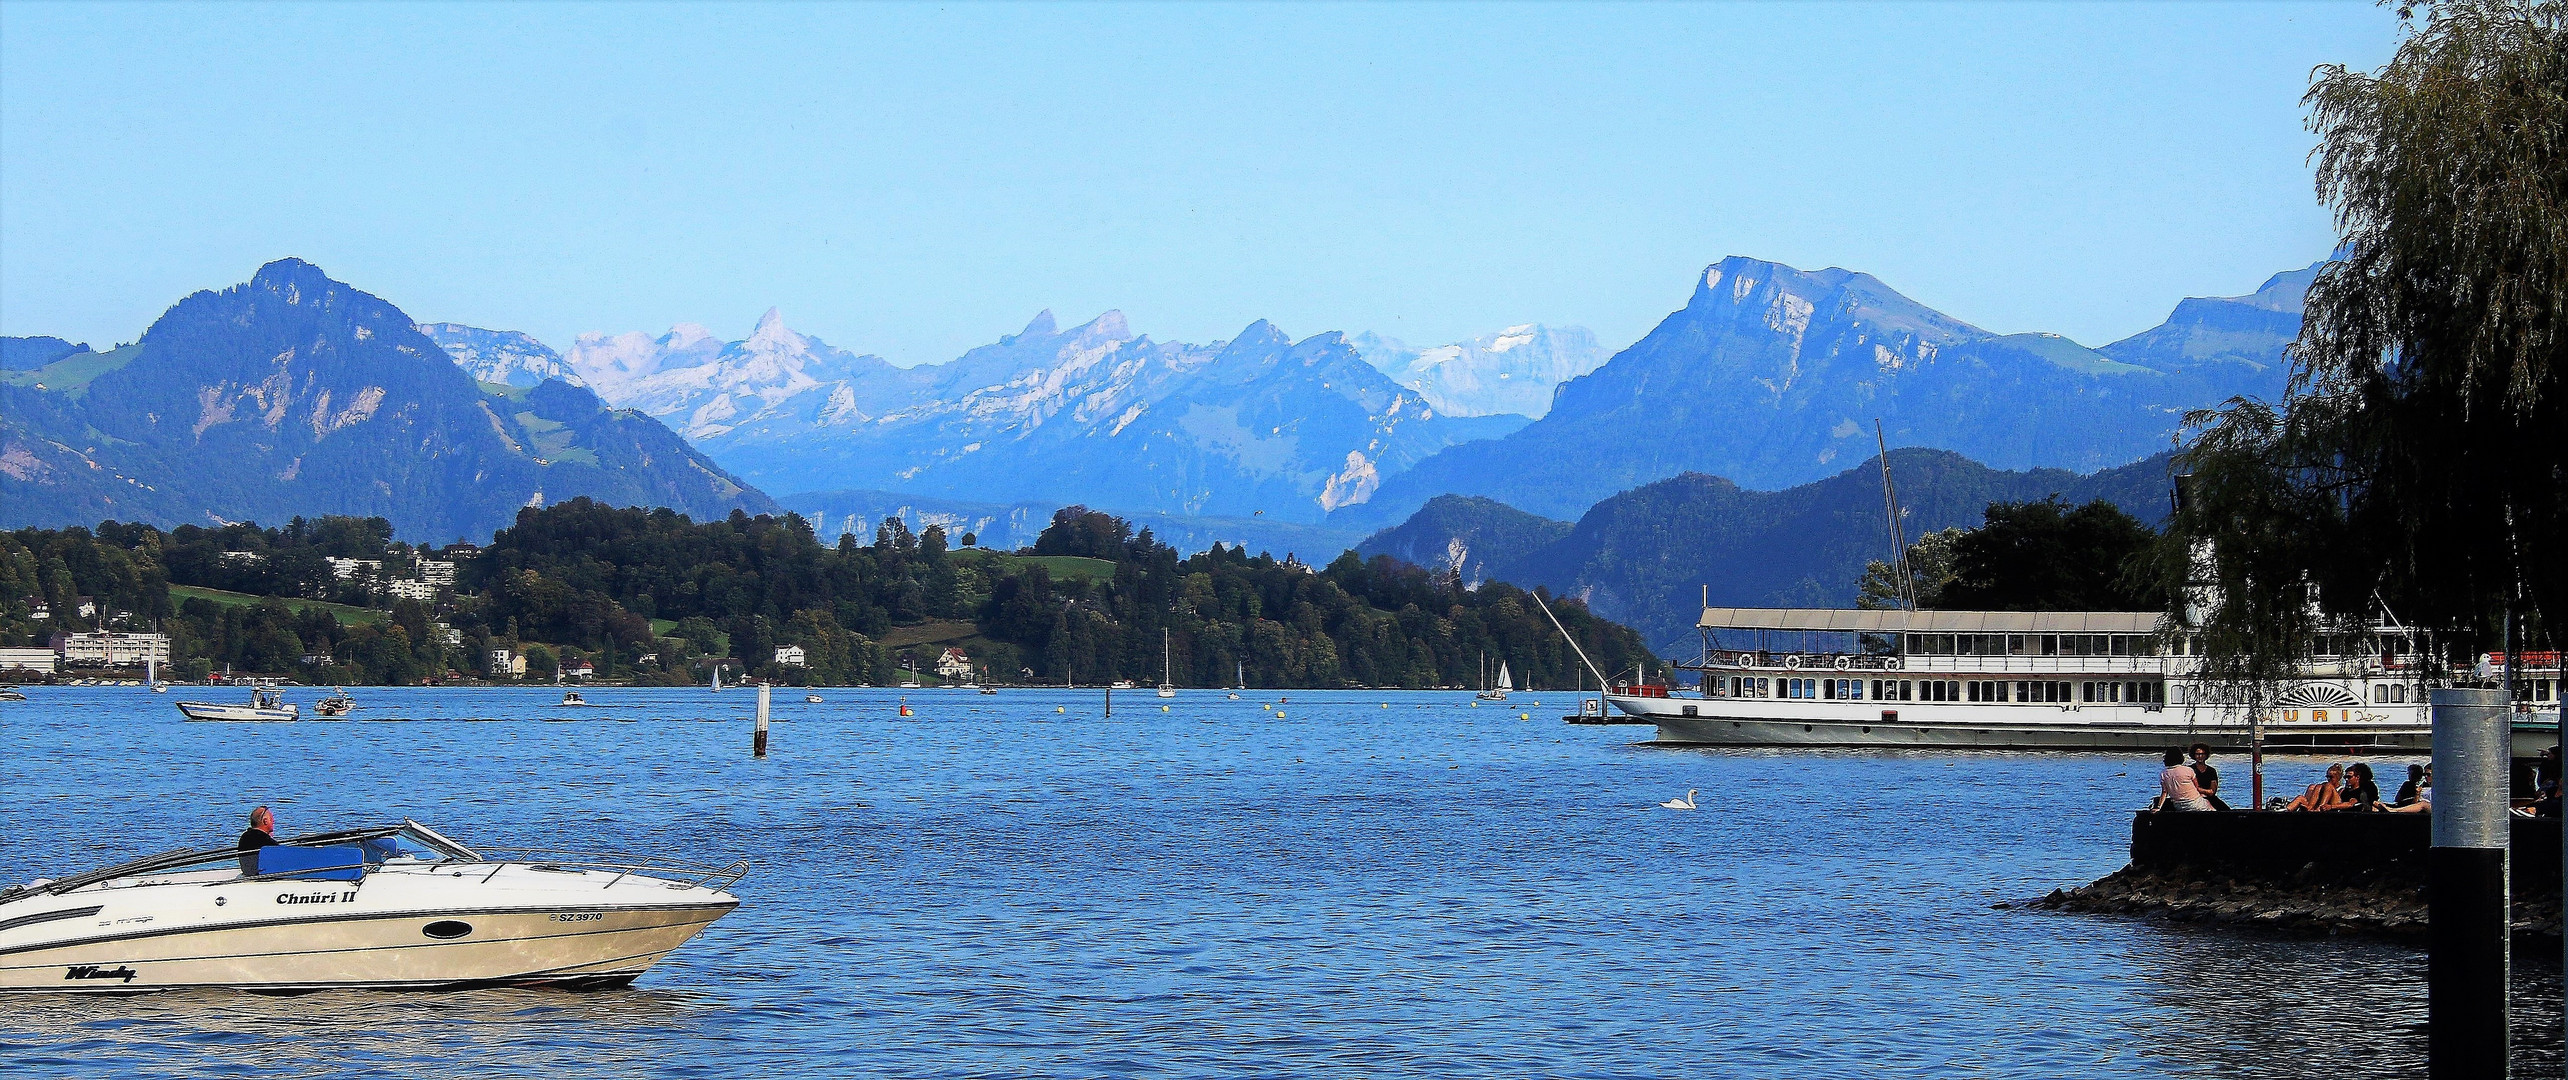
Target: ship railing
700,875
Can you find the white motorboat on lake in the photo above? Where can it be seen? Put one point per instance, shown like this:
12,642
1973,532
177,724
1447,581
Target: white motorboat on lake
571,699
390,907
267,703
2097,680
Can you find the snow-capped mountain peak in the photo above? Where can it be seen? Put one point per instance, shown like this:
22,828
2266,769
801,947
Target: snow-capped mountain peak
1512,371
505,357
771,333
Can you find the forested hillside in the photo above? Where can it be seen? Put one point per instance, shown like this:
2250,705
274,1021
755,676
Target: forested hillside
1646,557
652,596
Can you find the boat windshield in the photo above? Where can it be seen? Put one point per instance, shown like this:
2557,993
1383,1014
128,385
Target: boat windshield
403,844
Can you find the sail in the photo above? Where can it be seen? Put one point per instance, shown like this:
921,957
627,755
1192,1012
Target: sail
1504,683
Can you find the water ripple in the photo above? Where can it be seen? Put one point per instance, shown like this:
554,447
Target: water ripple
991,888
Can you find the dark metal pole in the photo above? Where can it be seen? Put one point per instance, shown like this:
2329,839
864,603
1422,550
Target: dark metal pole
2466,898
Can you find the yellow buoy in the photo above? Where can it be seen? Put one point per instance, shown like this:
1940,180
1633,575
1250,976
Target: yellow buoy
1524,716
1059,709
1163,708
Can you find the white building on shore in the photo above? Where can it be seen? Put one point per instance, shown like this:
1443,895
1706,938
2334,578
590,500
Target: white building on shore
111,649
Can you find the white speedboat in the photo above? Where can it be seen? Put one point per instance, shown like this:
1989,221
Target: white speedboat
391,907
266,703
571,699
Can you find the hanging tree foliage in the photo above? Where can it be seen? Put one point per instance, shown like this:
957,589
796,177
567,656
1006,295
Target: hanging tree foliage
2417,460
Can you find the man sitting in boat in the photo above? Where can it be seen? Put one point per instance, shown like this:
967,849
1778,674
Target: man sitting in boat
261,833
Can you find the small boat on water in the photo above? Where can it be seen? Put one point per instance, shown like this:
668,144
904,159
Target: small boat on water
1167,689
811,699
388,907
11,693
1506,683
337,704
571,699
267,703
1124,684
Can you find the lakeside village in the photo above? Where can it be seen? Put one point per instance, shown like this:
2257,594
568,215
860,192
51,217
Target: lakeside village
588,593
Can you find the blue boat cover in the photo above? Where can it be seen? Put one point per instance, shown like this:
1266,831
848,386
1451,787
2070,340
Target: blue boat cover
314,863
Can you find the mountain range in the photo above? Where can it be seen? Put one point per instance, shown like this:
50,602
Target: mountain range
1772,377
1644,557
265,400
1260,425
294,394
1769,375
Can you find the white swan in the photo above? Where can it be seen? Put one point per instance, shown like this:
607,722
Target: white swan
1686,803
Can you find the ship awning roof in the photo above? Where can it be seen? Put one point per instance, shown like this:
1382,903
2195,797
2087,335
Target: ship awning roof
1857,621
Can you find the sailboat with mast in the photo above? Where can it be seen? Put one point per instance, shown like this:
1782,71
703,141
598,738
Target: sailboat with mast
1167,688
1506,683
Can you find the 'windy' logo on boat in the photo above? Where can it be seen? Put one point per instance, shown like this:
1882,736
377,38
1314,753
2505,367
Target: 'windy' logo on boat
93,971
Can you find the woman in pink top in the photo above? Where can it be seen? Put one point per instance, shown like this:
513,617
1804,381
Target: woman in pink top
2176,787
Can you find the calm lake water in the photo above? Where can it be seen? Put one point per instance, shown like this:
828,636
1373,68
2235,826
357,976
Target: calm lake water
995,888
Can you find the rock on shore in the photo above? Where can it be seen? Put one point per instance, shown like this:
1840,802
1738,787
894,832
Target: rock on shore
2312,901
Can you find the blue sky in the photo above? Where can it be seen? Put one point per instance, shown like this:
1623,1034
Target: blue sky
913,181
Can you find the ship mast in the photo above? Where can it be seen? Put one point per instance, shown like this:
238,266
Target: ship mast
1890,507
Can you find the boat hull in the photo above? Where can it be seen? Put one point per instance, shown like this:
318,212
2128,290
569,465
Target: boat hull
200,710
1815,724
592,946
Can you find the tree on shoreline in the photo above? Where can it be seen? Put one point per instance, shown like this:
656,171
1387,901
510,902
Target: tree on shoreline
2417,461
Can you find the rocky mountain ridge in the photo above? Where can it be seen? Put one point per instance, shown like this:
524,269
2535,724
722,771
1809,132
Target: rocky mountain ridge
1773,376
294,394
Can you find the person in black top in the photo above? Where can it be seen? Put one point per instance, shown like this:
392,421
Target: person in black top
2206,777
2360,793
2407,791
261,833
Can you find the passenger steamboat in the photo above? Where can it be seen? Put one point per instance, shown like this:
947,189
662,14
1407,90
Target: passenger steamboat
2022,680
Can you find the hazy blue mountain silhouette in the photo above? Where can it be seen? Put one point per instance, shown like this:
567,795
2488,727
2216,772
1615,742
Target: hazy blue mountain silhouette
1643,557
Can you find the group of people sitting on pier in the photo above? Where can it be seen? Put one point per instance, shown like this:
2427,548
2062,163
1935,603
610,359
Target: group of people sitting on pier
2350,787
2195,785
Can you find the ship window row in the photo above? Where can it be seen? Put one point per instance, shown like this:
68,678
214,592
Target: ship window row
2535,690
2031,691
2032,645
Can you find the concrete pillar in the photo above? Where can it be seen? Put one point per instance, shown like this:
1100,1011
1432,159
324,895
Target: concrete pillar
2467,904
